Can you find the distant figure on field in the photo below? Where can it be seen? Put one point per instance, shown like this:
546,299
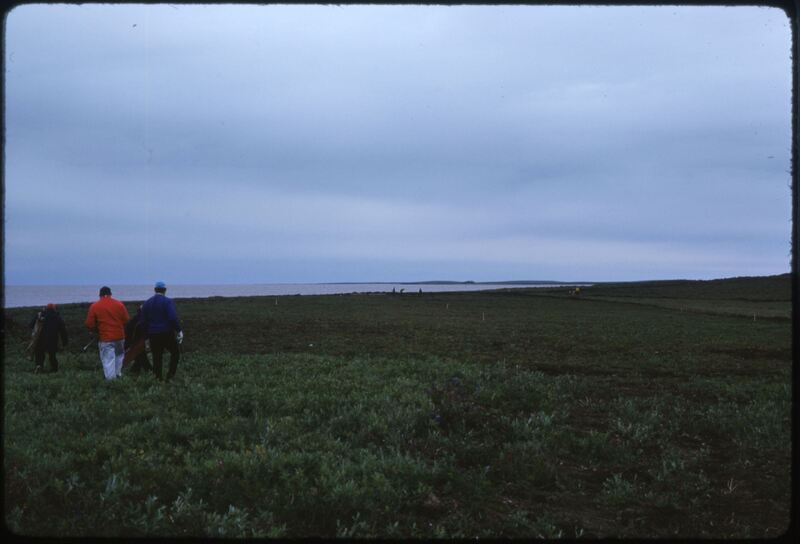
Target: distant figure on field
51,327
36,330
160,323
134,332
107,318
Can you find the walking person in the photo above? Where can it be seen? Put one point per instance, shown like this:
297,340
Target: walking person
134,332
51,328
107,318
160,321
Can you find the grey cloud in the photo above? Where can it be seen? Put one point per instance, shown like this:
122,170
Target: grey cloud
335,132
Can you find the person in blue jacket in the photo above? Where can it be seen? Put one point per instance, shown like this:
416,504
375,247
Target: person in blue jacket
164,332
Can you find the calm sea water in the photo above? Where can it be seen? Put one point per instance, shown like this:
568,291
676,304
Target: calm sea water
38,295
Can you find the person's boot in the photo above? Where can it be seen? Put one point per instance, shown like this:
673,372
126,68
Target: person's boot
52,361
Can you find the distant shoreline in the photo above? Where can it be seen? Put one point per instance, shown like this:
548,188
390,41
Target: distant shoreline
432,282
20,296
450,282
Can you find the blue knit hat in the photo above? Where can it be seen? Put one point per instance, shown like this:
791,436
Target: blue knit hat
160,285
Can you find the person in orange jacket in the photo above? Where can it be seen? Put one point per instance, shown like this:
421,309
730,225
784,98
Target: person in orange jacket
107,318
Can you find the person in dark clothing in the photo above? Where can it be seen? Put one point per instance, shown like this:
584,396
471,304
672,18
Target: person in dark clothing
160,321
134,332
52,326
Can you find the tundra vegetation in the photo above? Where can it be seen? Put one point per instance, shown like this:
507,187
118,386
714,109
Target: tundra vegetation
658,409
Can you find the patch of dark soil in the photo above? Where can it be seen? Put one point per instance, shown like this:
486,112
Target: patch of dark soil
579,511
742,512
587,419
756,498
760,370
750,354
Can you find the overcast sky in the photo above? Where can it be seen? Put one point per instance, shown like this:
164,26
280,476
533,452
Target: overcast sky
260,144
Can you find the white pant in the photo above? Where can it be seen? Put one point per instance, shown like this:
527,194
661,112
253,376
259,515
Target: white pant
111,355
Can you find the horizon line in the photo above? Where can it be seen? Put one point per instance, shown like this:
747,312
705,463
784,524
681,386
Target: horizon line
420,282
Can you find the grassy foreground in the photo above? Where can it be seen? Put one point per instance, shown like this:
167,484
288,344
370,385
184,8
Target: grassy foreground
654,409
